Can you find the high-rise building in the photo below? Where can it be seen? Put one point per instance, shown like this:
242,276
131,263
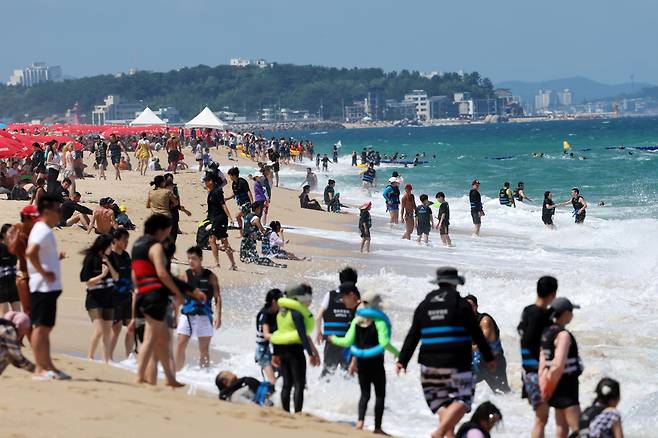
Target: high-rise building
419,98
565,97
37,73
545,100
116,110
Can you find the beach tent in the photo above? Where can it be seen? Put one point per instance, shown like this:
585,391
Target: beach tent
206,119
147,118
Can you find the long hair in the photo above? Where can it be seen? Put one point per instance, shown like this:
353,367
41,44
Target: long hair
100,245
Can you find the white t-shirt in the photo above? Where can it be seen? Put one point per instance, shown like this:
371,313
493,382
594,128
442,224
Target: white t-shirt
43,236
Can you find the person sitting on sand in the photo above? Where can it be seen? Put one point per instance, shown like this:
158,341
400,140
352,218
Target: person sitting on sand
102,219
74,213
276,243
123,219
13,327
243,390
306,202
253,230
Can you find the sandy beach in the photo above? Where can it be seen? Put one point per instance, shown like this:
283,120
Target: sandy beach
101,399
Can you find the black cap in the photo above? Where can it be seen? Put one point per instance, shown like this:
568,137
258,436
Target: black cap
348,287
562,304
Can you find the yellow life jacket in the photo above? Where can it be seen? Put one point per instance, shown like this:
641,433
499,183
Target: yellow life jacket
286,333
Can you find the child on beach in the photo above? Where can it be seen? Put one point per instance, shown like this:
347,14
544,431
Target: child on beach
602,419
444,218
365,223
243,390
424,219
265,326
13,327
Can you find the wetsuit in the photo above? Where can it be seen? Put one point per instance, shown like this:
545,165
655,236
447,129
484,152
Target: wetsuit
496,380
445,325
534,320
365,223
123,287
476,206
566,392
293,365
577,203
423,216
243,388
152,296
336,320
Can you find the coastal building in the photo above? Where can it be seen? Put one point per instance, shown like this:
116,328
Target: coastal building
442,107
37,73
420,100
355,112
375,103
565,98
400,110
545,100
241,62
168,114
114,111
290,115
431,74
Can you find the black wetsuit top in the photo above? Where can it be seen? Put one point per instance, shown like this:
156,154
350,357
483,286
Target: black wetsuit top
476,200
534,320
444,209
215,203
547,212
250,382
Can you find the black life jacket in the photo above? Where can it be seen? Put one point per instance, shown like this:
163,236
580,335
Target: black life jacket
336,318
587,416
467,427
447,333
577,204
503,197
573,365
202,282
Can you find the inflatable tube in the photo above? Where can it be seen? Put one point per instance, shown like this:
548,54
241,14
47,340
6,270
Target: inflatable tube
286,334
240,147
362,166
376,315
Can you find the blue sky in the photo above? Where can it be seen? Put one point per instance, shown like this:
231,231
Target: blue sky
505,39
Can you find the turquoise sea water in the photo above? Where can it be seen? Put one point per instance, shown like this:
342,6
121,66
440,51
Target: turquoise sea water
627,182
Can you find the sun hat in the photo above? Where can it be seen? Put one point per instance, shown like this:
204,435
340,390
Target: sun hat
448,275
393,180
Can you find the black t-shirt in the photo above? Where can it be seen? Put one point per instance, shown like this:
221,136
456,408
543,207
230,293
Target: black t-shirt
241,190
423,214
547,212
534,320
92,266
444,209
327,191
265,317
215,203
123,264
476,200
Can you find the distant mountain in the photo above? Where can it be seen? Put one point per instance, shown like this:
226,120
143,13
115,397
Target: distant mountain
582,88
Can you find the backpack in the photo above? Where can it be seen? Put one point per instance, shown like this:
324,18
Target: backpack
18,193
203,232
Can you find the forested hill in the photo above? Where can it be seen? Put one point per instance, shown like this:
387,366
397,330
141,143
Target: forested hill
238,88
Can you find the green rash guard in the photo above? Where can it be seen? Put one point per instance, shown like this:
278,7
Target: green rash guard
382,335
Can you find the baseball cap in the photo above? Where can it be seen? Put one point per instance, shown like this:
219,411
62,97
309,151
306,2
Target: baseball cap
562,304
408,187
30,211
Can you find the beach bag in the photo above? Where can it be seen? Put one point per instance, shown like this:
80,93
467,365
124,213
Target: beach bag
203,232
19,194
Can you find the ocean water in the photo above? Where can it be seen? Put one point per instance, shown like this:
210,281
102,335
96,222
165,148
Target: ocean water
609,265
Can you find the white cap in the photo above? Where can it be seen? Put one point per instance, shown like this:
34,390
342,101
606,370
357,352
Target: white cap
393,180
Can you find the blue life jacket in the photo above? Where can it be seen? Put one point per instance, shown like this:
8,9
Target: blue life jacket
336,318
369,175
202,282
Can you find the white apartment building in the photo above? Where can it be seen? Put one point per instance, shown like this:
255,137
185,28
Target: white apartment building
420,100
37,73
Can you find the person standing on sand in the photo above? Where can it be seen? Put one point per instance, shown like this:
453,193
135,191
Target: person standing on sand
445,325
16,239
43,265
116,148
242,194
219,216
154,282
123,288
334,318
407,210
365,223
476,207
198,318
143,154
99,275
173,152
100,153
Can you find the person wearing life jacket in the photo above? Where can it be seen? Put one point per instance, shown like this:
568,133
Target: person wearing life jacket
242,390
505,196
153,284
391,195
123,289
294,326
265,326
519,193
477,211
485,417
369,177
497,380
198,318
559,368
368,337
603,419
534,319
446,327
334,318
579,205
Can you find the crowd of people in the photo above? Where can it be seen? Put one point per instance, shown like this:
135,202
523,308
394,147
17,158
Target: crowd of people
460,345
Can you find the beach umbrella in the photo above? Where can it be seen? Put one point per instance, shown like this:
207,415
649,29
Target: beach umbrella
2,126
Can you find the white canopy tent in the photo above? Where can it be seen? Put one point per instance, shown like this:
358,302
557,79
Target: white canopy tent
206,119
147,118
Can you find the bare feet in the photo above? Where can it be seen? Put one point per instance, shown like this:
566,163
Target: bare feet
359,425
175,384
